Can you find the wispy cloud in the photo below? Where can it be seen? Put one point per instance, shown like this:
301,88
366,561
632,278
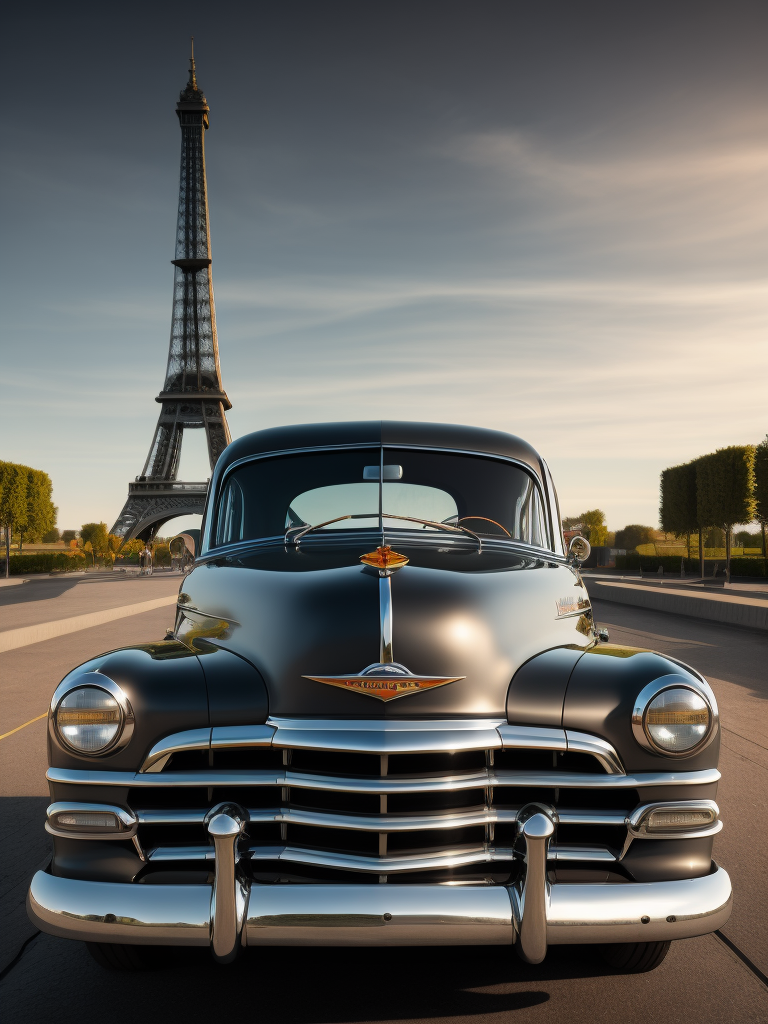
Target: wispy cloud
600,293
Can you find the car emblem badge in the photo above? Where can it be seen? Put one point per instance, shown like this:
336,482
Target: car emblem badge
386,679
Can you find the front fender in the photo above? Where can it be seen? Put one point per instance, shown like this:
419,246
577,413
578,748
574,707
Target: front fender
172,688
165,684
600,696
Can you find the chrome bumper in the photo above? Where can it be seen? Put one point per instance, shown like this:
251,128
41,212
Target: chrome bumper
230,913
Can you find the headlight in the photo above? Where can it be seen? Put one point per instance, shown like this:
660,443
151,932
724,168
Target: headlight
92,718
675,716
88,719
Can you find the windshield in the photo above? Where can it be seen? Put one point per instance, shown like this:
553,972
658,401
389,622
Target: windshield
488,496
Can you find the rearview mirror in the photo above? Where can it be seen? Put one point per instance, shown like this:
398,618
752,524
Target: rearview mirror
390,473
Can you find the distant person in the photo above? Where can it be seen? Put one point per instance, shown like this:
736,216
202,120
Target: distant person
145,561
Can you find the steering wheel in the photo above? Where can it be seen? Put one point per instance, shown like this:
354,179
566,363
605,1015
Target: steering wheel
485,520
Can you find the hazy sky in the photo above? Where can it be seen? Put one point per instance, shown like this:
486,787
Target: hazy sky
545,218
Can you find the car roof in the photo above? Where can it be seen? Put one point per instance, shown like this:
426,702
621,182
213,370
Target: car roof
376,432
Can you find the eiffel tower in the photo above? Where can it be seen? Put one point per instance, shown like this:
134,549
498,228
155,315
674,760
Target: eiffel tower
192,395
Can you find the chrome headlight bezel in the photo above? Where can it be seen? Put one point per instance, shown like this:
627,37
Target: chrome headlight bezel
95,681
673,681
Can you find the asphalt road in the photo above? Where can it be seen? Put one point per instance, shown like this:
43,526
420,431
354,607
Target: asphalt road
702,979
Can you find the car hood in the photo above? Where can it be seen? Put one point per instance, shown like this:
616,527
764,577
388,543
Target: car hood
294,617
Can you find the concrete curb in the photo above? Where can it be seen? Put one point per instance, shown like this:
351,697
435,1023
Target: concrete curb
731,610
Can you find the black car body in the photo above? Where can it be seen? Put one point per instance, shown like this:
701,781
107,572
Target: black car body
384,718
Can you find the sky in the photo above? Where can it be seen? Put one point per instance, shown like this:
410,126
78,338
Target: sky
548,219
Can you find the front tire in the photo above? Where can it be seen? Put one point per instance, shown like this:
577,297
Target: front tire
113,956
635,957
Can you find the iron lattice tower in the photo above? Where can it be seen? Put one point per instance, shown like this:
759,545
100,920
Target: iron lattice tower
192,395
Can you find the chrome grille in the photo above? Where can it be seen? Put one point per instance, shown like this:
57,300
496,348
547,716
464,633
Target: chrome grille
386,799
383,800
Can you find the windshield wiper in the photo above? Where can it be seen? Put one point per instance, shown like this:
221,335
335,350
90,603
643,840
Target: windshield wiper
304,530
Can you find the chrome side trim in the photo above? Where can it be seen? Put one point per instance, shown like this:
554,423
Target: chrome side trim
390,864
390,784
160,754
600,749
378,915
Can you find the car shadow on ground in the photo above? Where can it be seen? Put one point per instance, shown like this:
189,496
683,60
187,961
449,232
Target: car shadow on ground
294,985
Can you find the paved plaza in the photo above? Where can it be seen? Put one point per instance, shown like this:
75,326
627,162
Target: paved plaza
702,979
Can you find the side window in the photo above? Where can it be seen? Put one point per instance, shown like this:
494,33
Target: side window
530,526
229,519
557,526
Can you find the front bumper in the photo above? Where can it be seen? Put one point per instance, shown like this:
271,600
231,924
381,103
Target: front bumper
231,913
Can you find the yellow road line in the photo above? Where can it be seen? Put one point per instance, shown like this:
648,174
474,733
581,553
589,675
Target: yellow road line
44,715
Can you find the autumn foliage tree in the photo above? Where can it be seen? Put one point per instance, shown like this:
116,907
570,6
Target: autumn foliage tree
97,536
592,525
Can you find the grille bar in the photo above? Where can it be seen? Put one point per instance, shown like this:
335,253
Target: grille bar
388,865
392,784
384,737
380,823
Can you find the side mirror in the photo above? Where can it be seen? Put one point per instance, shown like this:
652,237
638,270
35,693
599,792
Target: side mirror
602,635
578,550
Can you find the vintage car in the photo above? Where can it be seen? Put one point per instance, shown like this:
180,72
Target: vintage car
384,717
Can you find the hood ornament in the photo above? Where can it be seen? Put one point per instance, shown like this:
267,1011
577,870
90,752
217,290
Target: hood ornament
386,679
385,559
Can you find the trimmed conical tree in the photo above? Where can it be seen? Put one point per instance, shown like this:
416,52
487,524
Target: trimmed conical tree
725,490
